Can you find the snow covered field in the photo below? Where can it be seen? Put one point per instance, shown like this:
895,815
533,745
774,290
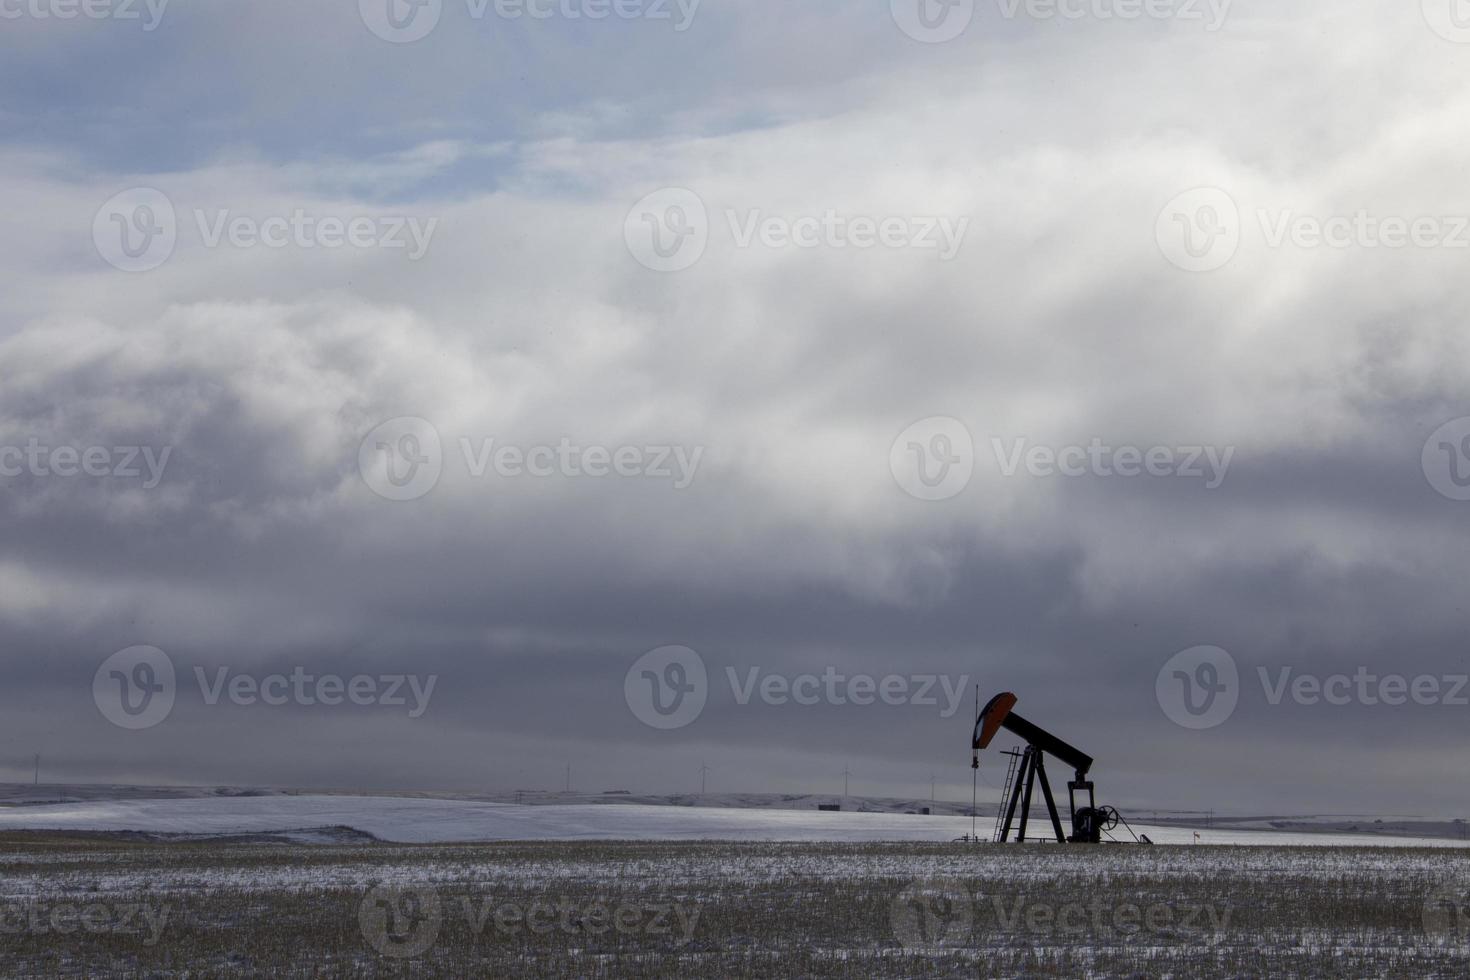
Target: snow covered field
79,906
422,821
453,887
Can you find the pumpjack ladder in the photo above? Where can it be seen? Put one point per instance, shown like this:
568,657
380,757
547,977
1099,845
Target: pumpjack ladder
1005,794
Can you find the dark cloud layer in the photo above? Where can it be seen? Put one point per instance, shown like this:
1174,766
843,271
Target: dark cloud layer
793,550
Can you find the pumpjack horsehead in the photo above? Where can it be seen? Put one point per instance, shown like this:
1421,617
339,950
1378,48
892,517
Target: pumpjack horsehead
1088,821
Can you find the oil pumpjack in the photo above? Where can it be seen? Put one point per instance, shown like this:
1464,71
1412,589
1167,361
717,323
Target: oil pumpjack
1028,767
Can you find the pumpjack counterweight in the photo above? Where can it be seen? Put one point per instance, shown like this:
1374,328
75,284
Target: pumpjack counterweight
1088,820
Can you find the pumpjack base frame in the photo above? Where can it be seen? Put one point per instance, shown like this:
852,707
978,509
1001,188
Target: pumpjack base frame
1033,771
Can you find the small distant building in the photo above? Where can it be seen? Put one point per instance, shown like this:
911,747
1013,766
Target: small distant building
829,806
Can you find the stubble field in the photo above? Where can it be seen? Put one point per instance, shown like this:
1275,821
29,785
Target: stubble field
76,905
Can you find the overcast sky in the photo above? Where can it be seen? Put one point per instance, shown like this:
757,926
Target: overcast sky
1002,345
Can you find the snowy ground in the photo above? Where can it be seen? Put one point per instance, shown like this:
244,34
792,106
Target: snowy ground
80,906
413,820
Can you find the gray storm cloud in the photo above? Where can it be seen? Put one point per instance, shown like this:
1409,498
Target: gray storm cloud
1059,320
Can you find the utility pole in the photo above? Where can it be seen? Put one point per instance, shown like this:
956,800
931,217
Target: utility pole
845,774
569,777
703,769
931,787
37,781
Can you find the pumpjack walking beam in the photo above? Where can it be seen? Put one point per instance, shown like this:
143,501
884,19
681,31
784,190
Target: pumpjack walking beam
1088,822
